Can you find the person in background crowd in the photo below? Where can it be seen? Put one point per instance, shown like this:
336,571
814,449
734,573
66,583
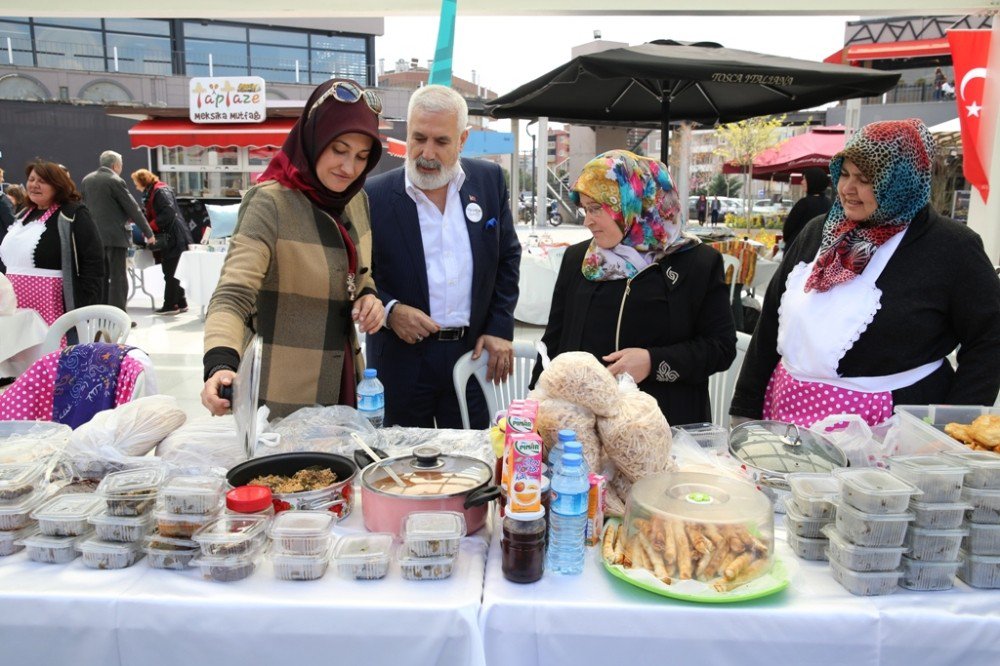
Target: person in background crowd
813,204
52,252
298,270
716,210
643,295
171,235
701,207
939,80
869,301
7,211
446,262
112,207
18,197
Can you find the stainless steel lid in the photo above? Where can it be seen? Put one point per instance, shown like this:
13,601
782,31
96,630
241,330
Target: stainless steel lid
427,472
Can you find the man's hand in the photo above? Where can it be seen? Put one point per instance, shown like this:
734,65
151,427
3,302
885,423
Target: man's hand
149,239
369,313
410,324
501,360
210,393
633,360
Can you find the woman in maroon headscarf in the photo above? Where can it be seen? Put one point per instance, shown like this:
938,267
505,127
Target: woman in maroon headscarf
298,271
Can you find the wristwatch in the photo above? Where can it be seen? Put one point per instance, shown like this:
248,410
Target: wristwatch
388,311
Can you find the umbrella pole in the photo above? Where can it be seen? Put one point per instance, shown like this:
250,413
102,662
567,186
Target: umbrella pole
665,129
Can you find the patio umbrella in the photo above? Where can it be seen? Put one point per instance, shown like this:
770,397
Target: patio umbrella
815,148
651,84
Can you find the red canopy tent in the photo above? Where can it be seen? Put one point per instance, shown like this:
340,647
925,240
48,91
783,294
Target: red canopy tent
812,149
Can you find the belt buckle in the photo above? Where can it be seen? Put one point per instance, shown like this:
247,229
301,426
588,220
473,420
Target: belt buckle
450,334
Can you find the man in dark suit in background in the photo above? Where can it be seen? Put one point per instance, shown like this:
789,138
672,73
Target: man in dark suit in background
112,206
446,260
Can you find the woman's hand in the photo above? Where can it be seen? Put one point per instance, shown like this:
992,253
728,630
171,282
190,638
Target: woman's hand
369,313
633,360
210,393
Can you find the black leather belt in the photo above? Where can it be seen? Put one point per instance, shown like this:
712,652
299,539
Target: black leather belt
449,334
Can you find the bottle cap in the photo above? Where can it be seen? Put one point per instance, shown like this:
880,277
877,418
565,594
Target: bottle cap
566,435
571,460
526,515
573,447
370,372
248,499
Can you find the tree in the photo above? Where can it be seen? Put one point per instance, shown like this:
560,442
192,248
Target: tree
742,142
723,186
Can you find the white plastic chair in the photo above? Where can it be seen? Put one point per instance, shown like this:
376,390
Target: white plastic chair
721,384
728,261
111,323
498,396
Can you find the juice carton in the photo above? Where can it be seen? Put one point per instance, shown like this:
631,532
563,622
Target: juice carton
524,494
595,508
522,415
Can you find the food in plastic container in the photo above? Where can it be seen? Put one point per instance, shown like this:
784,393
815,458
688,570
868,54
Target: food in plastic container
231,535
180,525
861,558
20,480
985,505
299,567
806,548
865,583
229,569
938,477
66,515
929,545
364,556
799,525
928,576
121,528
433,533
938,516
100,554
871,529
427,568
131,492
980,570
813,494
301,532
52,549
9,541
168,553
982,539
16,516
984,468
193,494
874,490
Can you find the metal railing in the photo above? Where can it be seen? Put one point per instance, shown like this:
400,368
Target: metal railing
911,94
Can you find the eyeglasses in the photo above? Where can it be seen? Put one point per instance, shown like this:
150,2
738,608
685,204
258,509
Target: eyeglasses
592,209
349,92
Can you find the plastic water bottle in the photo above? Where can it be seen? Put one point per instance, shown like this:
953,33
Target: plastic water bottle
568,519
555,455
574,446
371,398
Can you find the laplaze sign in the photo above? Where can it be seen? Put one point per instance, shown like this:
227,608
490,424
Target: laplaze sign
227,99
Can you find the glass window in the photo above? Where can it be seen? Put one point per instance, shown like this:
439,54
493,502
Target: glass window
258,158
264,36
227,57
206,184
14,19
69,49
277,63
327,64
20,43
214,31
20,87
200,157
338,43
105,92
142,26
139,55
93,24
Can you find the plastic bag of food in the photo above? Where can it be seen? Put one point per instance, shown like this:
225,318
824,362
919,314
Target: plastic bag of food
27,441
578,377
324,429
132,429
636,436
555,414
203,443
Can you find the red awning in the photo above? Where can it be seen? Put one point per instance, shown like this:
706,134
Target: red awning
917,48
812,149
173,132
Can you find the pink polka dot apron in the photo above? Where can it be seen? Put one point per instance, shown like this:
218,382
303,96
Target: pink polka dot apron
815,330
36,288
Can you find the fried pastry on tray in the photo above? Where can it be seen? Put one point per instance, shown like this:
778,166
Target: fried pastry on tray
986,430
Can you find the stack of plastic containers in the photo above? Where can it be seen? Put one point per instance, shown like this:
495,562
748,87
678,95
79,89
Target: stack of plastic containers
431,540
865,542
300,544
364,556
811,508
934,537
21,492
185,505
980,553
231,546
62,528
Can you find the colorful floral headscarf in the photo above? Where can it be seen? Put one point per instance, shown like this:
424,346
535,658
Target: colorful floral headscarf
896,155
641,198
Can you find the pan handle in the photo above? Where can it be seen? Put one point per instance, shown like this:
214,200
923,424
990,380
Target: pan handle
226,392
481,496
362,459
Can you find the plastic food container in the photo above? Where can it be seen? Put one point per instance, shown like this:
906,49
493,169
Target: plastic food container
180,525
871,529
18,481
18,515
132,492
302,532
99,554
806,548
982,539
66,515
229,569
938,516
921,427
980,570
121,528
167,553
364,556
426,568
192,494
928,576
938,477
10,541
51,549
984,468
708,435
299,567
861,558
865,584
872,490
231,535
813,494
799,525
934,545
433,533
985,505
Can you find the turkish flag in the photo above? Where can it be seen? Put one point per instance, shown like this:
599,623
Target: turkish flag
970,51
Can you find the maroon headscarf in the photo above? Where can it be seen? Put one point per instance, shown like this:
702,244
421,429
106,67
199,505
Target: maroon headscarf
295,166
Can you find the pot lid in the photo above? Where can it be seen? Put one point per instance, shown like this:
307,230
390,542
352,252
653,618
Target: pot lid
783,448
428,472
700,497
246,391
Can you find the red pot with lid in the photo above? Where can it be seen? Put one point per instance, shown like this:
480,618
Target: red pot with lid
431,481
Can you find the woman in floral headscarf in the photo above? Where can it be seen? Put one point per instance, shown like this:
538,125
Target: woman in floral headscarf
870,300
643,296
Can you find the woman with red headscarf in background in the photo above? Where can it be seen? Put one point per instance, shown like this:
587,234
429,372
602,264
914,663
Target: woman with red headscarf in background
298,271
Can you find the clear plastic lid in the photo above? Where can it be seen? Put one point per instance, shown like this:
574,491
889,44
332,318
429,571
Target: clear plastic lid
95,545
104,518
857,514
194,485
69,507
835,537
928,532
159,543
814,486
363,548
9,537
427,525
132,483
301,524
872,481
14,477
927,464
427,562
230,529
975,459
428,473
700,497
39,540
27,504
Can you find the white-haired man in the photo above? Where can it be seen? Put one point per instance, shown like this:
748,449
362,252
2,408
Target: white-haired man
445,259
112,207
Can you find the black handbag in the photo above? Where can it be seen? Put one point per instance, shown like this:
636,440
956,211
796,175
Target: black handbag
161,241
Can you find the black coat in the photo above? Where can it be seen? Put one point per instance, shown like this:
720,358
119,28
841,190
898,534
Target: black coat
678,309
167,215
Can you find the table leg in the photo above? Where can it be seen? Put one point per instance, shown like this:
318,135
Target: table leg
139,283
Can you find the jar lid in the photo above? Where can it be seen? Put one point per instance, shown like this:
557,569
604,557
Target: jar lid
781,448
428,473
526,516
248,499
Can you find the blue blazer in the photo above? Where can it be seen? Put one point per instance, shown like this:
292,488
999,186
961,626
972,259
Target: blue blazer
400,271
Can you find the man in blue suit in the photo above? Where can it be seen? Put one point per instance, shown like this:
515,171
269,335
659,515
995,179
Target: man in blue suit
445,259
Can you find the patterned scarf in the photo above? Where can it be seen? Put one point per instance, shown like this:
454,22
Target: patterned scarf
86,379
896,155
638,194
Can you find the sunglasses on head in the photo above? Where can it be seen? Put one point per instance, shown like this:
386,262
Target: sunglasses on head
349,92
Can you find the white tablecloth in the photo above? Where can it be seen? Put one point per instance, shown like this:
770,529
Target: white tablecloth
21,336
763,273
537,280
199,273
